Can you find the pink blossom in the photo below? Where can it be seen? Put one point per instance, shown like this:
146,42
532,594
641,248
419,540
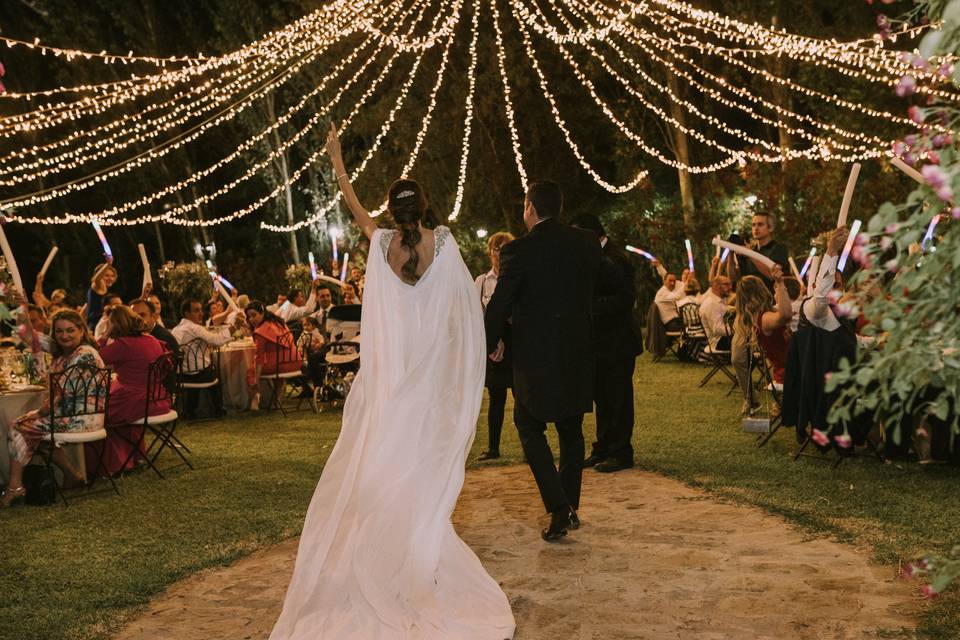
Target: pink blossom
945,193
915,114
892,228
933,157
911,140
820,438
929,592
861,239
935,176
3,89
906,86
955,213
919,62
843,441
899,148
908,158
945,70
892,265
939,141
886,242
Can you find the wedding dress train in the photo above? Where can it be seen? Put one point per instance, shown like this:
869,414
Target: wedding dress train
379,558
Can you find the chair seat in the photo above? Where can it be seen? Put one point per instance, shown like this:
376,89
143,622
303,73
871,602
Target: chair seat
72,437
674,334
282,375
775,386
200,385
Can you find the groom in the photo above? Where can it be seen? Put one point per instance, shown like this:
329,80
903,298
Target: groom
546,286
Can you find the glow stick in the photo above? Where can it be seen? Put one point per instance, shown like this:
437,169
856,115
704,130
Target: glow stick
313,266
854,230
326,278
197,249
794,270
814,273
343,272
11,263
226,282
745,252
907,169
689,255
107,253
643,253
848,194
333,240
147,277
210,267
726,252
928,236
223,292
806,265
46,264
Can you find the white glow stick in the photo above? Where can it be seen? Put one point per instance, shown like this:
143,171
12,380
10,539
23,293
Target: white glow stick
343,272
794,270
333,240
689,254
11,262
210,267
46,264
854,230
147,277
313,266
928,236
814,273
848,194
226,282
327,278
806,265
643,253
745,252
726,252
907,169
107,253
223,292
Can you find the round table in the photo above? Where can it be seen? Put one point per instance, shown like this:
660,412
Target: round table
14,402
235,359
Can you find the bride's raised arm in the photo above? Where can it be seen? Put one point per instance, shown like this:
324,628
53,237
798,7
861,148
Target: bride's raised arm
360,214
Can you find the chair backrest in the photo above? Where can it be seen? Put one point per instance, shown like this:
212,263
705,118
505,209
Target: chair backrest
287,351
690,314
158,375
79,390
197,355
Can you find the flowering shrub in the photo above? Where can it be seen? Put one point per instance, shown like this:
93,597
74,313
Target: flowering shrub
186,280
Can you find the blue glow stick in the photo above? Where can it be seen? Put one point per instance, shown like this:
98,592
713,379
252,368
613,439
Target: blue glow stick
928,236
854,230
226,282
806,265
107,253
313,266
643,253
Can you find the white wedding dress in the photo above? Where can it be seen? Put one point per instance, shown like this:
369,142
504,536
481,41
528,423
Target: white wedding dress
379,558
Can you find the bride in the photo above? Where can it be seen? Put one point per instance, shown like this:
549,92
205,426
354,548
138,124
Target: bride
379,558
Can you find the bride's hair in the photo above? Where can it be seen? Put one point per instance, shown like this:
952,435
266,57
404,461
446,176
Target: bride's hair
407,205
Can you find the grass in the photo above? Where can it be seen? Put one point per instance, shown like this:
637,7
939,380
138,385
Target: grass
85,570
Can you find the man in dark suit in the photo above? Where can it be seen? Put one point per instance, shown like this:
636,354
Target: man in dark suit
546,286
617,344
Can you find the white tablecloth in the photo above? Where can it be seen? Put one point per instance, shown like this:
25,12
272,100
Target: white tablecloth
235,359
13,404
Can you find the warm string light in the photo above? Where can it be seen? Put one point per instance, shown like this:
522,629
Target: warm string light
507,102
468,118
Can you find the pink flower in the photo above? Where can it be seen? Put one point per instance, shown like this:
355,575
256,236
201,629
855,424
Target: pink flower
892,228
945,70
935,176
886,242
919,62
911,140
929,592
945,193
908,158
843,441
3,89
939,141
933,157
955,213
892,265
906,86
899,148
861,239
819,437
915,114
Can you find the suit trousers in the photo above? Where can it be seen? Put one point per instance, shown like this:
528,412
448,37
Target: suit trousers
559,488
615,413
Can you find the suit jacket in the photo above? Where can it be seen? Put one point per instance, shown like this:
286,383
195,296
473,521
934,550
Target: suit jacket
546,285
616,334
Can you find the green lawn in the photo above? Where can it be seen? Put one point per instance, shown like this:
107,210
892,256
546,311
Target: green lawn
82,571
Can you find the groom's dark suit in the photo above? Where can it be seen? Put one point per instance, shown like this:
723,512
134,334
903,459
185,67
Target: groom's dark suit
546,285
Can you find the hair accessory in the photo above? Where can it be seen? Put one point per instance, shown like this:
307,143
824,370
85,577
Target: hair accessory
405,194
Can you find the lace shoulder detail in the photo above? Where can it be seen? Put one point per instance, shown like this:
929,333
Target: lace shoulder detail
386,235
440,235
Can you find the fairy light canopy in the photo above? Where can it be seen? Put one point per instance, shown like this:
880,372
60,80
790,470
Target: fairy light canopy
66,140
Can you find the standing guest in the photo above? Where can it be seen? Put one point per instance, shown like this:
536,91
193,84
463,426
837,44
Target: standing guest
148,313
103,324
499,376
104,277
72,344
617,345
267,329
666,300
765,321
130,350
713,312
356,281
56,298
546,285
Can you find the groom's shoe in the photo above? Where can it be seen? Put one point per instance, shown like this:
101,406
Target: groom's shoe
593,460
559,523
574,521
612,464
489,455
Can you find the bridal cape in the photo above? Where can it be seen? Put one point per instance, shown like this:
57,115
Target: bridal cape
379,558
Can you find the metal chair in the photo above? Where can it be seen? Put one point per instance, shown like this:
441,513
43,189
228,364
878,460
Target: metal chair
286,354
79,391
694,335
199,371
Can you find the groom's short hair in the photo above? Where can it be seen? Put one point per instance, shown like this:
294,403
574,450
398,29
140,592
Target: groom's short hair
546,198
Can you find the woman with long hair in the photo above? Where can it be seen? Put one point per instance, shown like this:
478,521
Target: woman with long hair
72,343
104,277
272,352
765,321
379,557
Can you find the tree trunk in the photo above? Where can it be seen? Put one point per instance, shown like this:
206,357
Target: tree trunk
285,176
682,152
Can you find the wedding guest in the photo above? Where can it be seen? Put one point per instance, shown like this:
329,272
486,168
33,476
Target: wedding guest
103,324
190,328
764,320
104,277
72,343
795,291
217,312
324,304
356,281
38,318
130,350
499,376
666,300
267,329
350,295
713,312
56,298
691,292
148,313
155,299
296,306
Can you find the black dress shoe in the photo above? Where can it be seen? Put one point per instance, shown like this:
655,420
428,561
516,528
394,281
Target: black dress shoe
593,461
574,521
489,455
612,464
559,524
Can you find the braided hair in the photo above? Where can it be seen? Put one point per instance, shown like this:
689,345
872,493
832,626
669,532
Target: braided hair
407,204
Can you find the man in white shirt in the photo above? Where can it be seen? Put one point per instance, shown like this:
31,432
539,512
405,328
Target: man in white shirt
191,327
713,309
296,307
666,301
325,303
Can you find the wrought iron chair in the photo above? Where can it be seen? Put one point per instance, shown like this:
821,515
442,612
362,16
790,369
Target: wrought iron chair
286,354
199,372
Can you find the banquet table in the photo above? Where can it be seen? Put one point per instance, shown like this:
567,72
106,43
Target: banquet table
235,359
14,402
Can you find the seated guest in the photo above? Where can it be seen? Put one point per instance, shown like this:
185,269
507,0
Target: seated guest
350,295
38,318
713,311
356,281
103,324
55,300
217,312
150,316
666,301
130,350
296,306
267,330
764,322
72,344
155,299
324,304
190,328
312,337
104,277
691,291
